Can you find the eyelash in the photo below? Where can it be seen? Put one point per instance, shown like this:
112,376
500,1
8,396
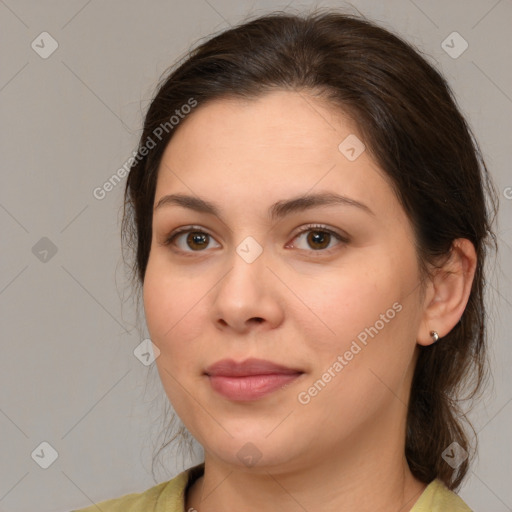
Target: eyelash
311,227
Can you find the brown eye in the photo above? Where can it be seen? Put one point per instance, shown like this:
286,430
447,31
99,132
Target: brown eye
195,241
319,238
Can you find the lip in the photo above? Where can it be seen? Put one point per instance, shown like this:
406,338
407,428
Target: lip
252,366
251,379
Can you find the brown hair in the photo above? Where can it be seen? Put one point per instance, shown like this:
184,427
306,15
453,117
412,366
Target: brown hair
411,126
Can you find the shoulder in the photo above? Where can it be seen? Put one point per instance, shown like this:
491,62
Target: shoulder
438,498
165,497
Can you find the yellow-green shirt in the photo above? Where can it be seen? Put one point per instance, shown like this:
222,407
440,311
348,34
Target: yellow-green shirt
170,497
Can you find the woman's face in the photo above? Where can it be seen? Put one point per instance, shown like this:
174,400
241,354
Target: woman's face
256,280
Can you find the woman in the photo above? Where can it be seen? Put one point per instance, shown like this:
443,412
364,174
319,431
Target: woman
308,212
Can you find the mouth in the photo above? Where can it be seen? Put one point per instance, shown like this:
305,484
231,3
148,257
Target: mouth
249,380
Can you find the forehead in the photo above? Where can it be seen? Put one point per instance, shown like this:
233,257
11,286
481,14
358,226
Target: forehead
280,120
278,145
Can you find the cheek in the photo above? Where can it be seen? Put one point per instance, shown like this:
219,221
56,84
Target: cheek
369,352
342,303
367,314
171,304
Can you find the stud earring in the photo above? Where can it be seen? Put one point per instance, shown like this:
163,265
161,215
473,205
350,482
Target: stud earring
435,335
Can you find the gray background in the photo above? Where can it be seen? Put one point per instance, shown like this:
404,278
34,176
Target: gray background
68,374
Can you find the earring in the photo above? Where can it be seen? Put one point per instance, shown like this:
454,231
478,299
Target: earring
435,335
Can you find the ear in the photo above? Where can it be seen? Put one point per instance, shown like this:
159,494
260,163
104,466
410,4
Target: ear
448,292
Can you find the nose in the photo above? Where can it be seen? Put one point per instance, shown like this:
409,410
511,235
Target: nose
248,296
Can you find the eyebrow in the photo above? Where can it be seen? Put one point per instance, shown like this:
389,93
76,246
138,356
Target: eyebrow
277,211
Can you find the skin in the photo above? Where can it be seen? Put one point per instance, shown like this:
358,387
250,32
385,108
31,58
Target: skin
294,305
